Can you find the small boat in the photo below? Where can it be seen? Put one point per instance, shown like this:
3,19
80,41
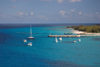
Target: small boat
60,38
25,40
56,40
29,44
30,37
79,40
69,34
74,41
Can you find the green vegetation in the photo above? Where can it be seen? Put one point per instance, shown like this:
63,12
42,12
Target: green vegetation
91,28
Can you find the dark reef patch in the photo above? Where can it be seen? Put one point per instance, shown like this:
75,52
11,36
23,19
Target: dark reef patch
3,37
96,39
62,64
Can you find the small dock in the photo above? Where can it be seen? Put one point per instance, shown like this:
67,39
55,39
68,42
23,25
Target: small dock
64,36
70,35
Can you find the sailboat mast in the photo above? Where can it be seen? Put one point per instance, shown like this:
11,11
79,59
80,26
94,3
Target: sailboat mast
30,37
30,30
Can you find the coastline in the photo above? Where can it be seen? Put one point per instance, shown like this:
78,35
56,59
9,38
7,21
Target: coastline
84,33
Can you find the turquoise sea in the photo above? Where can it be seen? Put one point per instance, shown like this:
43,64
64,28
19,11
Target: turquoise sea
45,52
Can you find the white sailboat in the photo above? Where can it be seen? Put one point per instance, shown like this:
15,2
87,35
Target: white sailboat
60,38
30,37
29,44
74,41
56,40
79,40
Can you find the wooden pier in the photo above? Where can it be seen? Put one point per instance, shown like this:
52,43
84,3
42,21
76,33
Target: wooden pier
64,36
70,35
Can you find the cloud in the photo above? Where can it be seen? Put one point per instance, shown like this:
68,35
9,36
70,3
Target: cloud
13,6
42,17
97,13
60,1
72,10
25,14
46,0
13,0
62,12
75,1
80,13
32,13
20,13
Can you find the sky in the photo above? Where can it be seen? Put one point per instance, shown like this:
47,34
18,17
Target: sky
49,11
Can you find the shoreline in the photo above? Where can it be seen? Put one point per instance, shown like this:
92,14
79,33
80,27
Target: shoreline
84,33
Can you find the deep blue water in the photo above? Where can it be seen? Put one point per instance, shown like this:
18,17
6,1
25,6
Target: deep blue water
45,52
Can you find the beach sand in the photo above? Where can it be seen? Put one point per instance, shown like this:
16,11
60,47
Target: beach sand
84,33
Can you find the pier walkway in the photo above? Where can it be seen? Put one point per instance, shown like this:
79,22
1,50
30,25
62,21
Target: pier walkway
64,36
70,35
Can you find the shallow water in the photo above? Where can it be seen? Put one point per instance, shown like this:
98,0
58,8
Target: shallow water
45,52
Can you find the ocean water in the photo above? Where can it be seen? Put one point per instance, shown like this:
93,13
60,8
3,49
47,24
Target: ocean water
45,52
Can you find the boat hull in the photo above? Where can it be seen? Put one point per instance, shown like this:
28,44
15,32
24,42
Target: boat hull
30,37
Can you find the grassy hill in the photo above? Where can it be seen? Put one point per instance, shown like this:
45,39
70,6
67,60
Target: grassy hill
91,28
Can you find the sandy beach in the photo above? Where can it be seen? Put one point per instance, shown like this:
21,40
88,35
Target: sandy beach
85,33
